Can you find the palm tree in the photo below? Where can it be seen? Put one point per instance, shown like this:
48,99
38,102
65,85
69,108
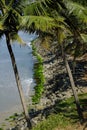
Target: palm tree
73,86
69,13
65,12
10,18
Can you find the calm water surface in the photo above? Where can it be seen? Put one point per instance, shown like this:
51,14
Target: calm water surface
9,96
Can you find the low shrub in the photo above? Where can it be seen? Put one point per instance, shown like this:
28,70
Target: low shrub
38,75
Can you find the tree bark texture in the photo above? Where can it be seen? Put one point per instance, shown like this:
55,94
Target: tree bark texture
72,84
74,90
19,86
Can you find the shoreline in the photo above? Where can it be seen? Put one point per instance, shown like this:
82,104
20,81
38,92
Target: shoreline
27,83
6,114
15,109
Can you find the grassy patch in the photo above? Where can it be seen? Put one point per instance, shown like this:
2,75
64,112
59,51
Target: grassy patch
12,117
38,76
64,115
55,120
68,107
1,128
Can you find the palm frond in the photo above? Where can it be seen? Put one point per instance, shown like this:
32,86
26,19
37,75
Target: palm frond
1,26
2,3
84,37
17,5
15,37
11,20
61,35
42,23
78,10
83,2
38,7
3,7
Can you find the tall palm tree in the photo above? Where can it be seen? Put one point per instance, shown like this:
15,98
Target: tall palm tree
75,15
10,18
64,10
69,11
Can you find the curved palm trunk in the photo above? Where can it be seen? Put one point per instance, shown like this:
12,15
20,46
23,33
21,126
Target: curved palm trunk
19,86
72,85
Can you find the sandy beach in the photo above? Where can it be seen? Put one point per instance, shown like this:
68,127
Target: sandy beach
6,114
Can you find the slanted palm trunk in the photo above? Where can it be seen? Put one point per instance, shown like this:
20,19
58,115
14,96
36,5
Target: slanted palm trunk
72,85
19,86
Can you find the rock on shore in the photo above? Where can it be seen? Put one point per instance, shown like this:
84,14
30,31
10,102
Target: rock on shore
57,85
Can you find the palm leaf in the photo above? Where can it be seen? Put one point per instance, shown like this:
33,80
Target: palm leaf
17,5
83,2
1,26
42,23
3,7
38,7
2,3
15,37
78,10
84,37
61,34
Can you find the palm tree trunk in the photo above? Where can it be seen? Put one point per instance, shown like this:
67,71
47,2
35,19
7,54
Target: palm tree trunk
72,85
19,86
74,89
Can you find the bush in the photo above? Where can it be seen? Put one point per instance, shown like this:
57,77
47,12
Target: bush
38,76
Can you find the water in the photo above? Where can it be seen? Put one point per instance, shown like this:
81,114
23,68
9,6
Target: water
9,96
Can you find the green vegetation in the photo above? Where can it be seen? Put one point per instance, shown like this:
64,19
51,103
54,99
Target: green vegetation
38,76
64,114
53,121
1,128
66,23
10,19
68,107
13,117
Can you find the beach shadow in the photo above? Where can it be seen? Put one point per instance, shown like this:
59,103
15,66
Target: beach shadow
51,60
58,107
80,71
59,83
66,107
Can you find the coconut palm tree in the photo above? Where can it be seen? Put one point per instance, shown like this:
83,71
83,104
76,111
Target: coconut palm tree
64,14
69,11
10,18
